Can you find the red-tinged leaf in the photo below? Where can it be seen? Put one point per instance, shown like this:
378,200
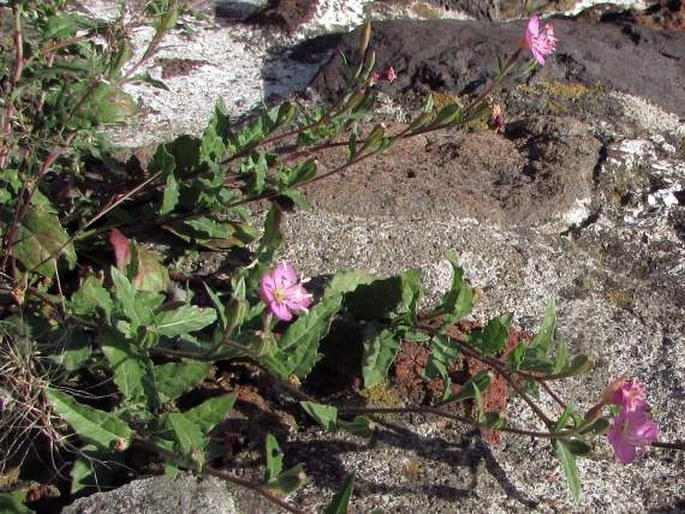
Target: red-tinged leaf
122,248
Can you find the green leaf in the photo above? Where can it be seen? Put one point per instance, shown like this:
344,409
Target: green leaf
41,238
448,115
132,370
176,378
90,298
107,105
493,338
596,427
183,320
577,447
214,234
171,195
456,303
162,161
171,471
494,420
341,500
380,348
564,418
147,273
443,355
167,18
215,143
472,388
95,469
13,502
211,412
74,347
93,426
568,463
146,78
290,481
125,295
561,358
385,298
64,26
360,426
301,340
218,306
580,365
272,239
347,281
375,141
324,415
543,339
297,174
274,459
188,439
185,151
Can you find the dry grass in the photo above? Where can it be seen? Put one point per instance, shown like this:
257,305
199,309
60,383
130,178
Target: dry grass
26,416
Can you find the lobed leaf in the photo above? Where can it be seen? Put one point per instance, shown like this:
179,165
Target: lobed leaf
274,459
14,502
90,298
443,355
492,339
472,388
456,303
380,348
176,378
183,320
568,463
324,415
132,370
41,239
211,412
94,426
301,340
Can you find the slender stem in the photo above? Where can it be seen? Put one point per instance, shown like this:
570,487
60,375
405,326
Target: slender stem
18,45
25,203
498,80
260,490
501,370
448,415
173,457
551,392
675,445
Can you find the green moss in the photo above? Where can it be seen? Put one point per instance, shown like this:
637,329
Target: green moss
559,97
382,396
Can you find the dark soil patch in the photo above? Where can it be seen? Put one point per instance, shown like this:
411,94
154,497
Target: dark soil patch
455,57
179,67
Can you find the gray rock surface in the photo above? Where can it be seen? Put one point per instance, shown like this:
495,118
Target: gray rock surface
455,57
184,494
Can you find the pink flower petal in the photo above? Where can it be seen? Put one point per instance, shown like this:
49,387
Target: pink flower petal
122,248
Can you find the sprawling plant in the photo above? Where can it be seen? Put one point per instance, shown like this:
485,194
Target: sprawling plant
106,354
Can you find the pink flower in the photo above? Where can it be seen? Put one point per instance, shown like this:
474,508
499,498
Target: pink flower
283,293
539,42
626,393
388,75
631,430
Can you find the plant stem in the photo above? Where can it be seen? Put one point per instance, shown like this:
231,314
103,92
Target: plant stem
675,445
171,456
448,415
260,490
